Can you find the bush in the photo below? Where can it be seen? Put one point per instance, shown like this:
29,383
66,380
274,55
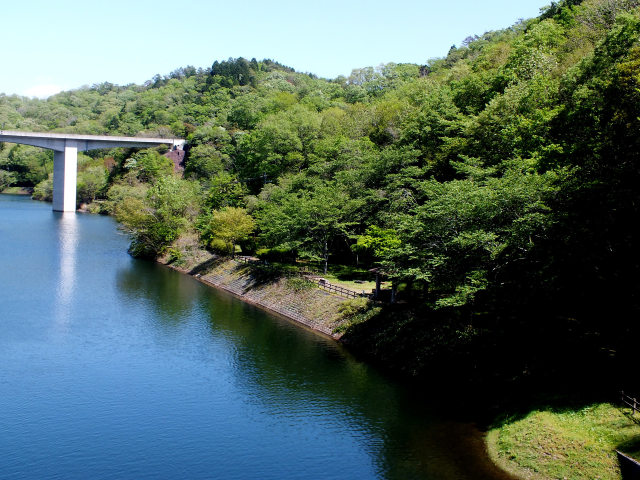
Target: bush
6,179
276,254
218,245
353,306
354,311
174,256
44,190
299,284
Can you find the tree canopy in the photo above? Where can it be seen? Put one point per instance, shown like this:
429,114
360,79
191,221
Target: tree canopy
501,178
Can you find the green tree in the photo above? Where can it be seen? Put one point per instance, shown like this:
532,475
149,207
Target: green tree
91,182
225,190
149,165
6,179
308,221
204,162
230,225
29,165
169,207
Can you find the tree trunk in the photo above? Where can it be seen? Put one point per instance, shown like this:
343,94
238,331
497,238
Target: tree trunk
378,282
394,290
326,256
409,289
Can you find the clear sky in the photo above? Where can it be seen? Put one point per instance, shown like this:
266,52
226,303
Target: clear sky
50,46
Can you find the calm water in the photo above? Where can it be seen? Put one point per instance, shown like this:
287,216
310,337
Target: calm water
113,368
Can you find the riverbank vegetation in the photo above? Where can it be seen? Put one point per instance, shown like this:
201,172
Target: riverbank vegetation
495,189
569,442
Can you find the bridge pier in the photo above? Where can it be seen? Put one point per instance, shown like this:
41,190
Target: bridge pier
65,173
65,148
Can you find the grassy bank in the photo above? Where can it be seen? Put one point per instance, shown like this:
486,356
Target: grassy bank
17,191
565,443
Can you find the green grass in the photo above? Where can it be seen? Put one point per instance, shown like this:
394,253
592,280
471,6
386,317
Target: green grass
353,278
567,444
16,191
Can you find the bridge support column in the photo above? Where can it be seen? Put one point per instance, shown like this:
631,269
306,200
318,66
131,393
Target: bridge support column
65,173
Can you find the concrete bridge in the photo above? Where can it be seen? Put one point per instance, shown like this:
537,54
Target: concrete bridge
65,148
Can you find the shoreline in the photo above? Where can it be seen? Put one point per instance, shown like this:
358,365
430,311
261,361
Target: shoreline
312,309
299,320
489,460
475,438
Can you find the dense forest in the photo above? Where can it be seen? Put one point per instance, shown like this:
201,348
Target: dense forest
496,188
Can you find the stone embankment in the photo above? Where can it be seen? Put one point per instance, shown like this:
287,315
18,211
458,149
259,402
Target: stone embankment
311,307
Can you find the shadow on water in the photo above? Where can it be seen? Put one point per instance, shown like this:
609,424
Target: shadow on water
171,298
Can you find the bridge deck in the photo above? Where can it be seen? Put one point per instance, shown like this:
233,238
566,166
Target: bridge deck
73,136
65,158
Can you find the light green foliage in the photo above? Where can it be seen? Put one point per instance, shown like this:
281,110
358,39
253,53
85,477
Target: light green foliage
229,225
149,165
309,221
378,241
280,143
91,182
92,178
246,111
127,187
44,190
157,219
466,228
29,165
210,152
205,161
225,190
6,179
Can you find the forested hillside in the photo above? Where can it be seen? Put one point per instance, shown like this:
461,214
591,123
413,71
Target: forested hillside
497,188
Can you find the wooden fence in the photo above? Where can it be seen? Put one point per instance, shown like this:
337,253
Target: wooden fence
315,278
337,289
630,402
243,259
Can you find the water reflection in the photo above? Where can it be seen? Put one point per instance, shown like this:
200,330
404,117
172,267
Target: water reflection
162,289
291,375
296,377
159,376
68,238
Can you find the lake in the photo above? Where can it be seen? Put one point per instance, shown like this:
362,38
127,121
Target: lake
116,368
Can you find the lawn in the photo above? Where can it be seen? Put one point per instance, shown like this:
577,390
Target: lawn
352,277
572,443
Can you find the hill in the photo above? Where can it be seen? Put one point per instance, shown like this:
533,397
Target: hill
495,188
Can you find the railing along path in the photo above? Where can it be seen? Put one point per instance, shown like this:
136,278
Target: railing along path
318,280
630,402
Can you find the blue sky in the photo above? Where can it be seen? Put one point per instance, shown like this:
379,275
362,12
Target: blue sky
51,46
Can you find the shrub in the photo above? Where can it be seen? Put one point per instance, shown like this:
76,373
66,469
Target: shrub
276,254
44,190
353,306
299,284
218,245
